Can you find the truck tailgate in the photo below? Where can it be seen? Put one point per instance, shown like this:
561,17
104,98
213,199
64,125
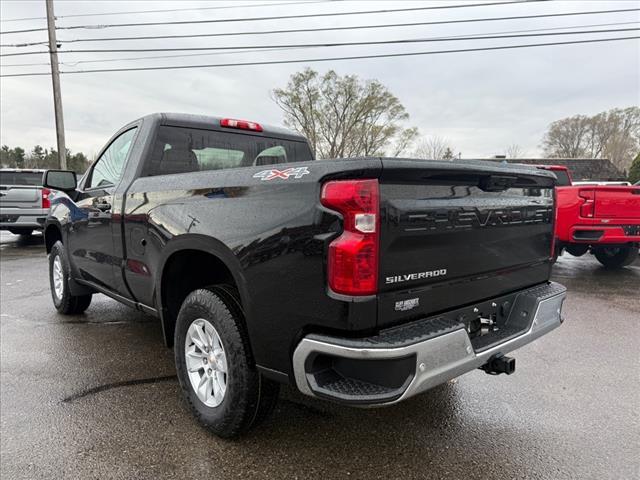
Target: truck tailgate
617,202
457,233
12,196
20,188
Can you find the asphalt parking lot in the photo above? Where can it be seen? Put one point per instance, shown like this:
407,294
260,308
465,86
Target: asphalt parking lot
95,396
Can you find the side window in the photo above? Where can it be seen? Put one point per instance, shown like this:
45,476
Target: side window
108,170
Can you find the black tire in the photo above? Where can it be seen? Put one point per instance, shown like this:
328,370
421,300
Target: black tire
616,257
249,397
65,303
577,249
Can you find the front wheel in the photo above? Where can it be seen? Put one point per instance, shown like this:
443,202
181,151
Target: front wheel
63,300
220,383
616,257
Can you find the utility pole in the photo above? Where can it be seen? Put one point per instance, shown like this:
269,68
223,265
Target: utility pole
55,78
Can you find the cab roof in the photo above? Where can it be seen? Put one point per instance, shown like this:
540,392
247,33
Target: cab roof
207,122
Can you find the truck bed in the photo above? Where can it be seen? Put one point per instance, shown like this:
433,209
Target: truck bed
598,214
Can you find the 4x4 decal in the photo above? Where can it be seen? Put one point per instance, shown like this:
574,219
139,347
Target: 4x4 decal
297,172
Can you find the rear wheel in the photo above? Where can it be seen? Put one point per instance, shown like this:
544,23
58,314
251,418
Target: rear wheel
216,371
577,249
616,257
63,300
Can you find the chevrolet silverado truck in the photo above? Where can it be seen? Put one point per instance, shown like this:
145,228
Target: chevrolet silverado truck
363,281
601,219
24,203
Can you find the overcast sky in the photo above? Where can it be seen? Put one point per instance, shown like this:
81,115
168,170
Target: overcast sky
482,102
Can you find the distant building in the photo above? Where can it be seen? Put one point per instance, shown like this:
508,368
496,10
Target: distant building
582,169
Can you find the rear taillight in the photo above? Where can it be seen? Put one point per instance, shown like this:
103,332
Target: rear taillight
46,201
353,256
588,196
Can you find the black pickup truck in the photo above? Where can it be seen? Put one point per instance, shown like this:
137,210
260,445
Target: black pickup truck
364,281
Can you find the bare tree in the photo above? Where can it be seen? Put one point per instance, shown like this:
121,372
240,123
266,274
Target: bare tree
344,116
514,151
404,141
614,134
567,138
433,148
619,136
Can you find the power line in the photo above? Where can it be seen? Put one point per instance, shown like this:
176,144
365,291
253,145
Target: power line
24,31
118,59
335,44
280,17
225,7
329,59
31,44
326,29
353,27
73,64
305,15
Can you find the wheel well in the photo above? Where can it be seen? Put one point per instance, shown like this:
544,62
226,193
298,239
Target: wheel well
184,272
51,235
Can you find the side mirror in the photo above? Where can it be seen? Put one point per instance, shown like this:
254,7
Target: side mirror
63,180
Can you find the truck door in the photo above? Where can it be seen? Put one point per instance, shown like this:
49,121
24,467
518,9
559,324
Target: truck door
93,236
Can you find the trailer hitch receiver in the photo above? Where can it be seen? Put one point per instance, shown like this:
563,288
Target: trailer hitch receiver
500,364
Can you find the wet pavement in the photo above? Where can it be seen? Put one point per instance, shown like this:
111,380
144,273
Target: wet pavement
95,396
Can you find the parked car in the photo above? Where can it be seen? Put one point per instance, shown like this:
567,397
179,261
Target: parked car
601,219
24,203
362,281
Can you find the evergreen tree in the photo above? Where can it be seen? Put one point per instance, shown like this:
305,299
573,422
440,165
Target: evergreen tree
634,171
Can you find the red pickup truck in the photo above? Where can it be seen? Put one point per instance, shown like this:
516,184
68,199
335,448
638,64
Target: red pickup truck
604,220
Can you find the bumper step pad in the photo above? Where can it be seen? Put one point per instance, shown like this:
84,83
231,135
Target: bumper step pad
402,361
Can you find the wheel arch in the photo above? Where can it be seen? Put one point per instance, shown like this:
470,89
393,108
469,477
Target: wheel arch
52,234
207,261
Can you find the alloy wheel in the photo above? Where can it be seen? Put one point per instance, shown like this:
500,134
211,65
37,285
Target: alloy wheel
58,277
206,362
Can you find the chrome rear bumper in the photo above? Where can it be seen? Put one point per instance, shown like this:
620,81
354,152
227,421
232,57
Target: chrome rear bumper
446,352
22,218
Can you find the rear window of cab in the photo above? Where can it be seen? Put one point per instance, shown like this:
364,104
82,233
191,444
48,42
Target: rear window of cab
183,150
563,178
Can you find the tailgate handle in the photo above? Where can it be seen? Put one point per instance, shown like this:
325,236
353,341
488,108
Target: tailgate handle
496,183
635,191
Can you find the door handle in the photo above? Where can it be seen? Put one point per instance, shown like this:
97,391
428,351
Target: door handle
103,206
